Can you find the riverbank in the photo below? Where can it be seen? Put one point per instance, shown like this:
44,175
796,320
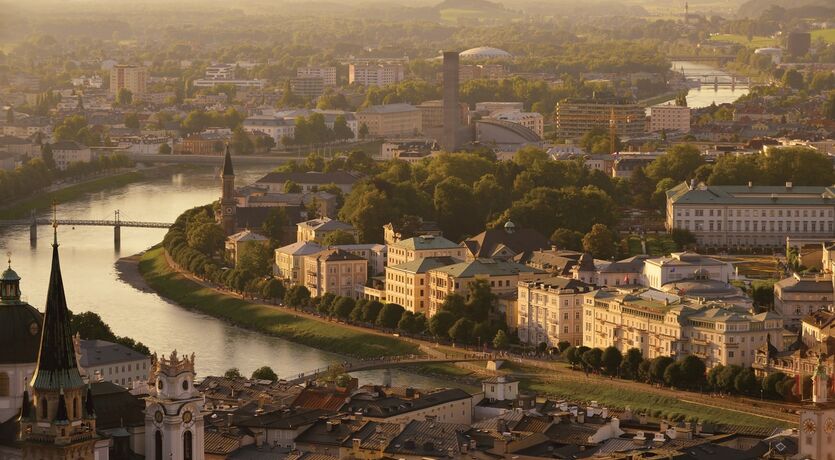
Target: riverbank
22,208
154,271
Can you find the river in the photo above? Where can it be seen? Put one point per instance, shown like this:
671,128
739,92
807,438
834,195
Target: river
92,283
707,93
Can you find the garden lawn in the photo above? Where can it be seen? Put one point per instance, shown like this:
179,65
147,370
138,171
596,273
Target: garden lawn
756,41
653,404
268,319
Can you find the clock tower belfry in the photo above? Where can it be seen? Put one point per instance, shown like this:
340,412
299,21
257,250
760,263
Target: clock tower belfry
173,411
817,420
228,204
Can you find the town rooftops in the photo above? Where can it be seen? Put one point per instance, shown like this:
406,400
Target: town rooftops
424,264
311,177
560,283
689,259
634,264
487,267
116,407
389,406
246,235
429,439
489,243
336,255
286,419
796,283
68,145
426,242
101,353
778,195
820,318
325,224
390,108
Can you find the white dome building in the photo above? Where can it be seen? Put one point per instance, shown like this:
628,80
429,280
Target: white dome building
485,52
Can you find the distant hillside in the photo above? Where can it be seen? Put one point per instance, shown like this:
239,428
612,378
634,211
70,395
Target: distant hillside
469,5
799,8
588,8
457,10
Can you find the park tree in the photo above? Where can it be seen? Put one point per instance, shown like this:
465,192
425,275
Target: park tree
563,345
713,376
407,322
500,341
132,121
677,164
337,238
673,375
274,226
255,258
567,239
264,373
693,371
207,238
164,149
273,290
342,307
440,323
341,130
462,330
611,360
455,304
47,156
90,326
455,213
659,366
793,79
371,310
771,384
631,362
727,378
297,296
363,131
292,187
390,315
593,358
746,382
600,242
124,97
232,373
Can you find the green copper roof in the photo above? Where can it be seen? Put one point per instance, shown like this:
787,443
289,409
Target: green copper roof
426,242
779,195
9,275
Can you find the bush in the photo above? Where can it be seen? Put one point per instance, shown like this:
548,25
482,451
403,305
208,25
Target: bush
264,373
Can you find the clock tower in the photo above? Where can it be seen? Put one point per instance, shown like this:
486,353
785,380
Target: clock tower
817,421
173,411
228,204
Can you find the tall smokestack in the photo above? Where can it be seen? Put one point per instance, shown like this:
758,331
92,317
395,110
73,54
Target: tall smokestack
451,104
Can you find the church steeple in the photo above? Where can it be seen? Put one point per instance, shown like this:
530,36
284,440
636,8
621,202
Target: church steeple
227,163
57,367
9,285
228,206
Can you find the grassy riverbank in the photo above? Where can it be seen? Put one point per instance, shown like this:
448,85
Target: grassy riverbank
21,209
265,318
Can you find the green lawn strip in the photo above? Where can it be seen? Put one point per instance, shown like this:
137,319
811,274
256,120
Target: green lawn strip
22,209
441,369
264,318
653,404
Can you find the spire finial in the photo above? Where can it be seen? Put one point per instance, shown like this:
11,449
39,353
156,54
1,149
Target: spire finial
9,256
55,223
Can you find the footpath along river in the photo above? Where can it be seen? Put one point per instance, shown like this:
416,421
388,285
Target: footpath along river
93,282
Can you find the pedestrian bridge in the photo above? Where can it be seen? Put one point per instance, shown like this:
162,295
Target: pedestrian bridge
383,363
117,223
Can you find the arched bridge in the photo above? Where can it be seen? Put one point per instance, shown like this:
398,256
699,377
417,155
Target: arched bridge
383,363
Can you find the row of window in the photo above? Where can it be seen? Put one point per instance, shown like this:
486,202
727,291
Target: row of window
757,212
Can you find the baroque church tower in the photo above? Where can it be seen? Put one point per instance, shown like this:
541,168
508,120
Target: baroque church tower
173,411
817,421
228,204
59,421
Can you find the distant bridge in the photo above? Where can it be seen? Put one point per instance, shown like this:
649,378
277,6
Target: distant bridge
117,223
722,59
384,363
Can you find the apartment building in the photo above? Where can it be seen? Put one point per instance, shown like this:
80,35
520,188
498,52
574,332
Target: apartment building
370,74
336,271
551,311
663,324
576,117
669,117
407,283
502,276
101,360
798,296
66,153
418,247
220,72
660,271
289,260
752,216
391,120
243,241
327,74
531,120
307,87
130,77
317,229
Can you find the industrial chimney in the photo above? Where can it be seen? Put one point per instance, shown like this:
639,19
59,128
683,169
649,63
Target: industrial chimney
450,141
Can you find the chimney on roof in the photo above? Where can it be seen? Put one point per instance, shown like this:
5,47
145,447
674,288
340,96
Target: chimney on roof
788,185
692,184
750,184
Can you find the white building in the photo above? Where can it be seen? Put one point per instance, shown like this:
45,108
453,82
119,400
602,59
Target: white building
375,74
683,265
67,152
752,216
669,117
101,360
221,72
241,84
327,74
531,120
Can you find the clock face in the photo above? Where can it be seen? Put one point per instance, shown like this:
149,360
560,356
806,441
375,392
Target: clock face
228,210
33,328
187,416
809,426
829,426
158,416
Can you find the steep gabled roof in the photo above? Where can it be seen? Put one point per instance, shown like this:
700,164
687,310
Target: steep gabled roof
519,241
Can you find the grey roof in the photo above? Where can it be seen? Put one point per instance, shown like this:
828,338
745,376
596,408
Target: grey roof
101,353
488,267
391,108
754,195
424,264
390,406
523,132
281,419
561,282
326,224
68,145
428,439
798,284
634,264
426,242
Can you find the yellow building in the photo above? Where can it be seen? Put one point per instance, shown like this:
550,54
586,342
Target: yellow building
243,241
130,77
289,260
336,271
575,117
418,247
391,120
551,311
661,324
407,283
502,276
